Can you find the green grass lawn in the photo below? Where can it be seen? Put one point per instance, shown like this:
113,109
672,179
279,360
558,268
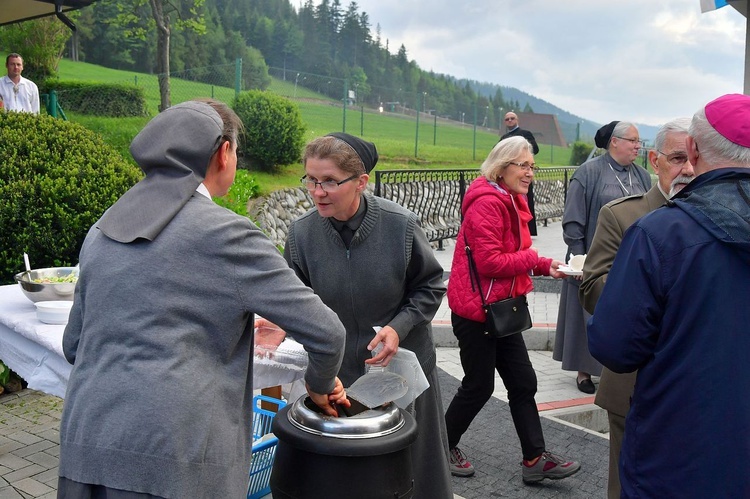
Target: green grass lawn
437,145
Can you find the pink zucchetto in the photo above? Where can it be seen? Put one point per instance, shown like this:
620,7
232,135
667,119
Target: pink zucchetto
730,116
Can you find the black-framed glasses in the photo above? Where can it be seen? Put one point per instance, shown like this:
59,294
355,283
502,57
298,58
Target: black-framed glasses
509,119
527,167
675,158
632,141
326,185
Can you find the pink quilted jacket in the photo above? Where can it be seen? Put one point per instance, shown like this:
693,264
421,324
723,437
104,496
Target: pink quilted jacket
491,228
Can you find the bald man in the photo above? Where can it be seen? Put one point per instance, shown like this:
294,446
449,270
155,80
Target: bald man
511,125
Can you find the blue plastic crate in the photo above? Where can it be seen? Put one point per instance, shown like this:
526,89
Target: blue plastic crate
263,452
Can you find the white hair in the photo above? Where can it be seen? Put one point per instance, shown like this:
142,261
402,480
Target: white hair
677,125
716,149
502,154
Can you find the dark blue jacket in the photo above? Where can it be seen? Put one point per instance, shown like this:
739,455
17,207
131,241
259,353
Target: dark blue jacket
675,306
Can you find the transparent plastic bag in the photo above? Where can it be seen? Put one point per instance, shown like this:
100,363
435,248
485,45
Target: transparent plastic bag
406,365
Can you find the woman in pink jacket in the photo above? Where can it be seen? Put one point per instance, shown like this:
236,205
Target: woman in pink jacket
495,227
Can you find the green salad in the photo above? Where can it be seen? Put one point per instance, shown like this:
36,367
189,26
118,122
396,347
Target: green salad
70,278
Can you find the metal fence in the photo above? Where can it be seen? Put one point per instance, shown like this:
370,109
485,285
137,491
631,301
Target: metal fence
346,105
436,195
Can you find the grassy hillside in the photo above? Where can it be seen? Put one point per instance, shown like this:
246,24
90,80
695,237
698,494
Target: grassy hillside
323,115
439,145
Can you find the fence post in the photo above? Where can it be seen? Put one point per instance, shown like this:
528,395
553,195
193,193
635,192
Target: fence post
346,98
377,182
52,107
434,130
362,120
474,152
237,76
416,138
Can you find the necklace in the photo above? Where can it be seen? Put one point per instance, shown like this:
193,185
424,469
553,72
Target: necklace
630,180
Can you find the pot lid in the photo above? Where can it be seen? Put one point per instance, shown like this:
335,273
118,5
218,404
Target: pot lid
369,423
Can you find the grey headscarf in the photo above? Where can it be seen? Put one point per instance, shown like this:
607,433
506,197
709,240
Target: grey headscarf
173,150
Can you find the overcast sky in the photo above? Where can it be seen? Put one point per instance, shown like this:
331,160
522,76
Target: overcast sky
646,61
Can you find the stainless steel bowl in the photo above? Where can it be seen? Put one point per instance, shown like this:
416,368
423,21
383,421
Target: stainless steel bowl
36,291
369,423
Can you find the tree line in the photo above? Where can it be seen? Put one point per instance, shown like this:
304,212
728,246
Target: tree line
327,39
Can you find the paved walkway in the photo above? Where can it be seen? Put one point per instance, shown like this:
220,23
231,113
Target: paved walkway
29,420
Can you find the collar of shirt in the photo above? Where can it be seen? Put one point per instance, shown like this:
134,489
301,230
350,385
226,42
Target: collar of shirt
354,222
202,189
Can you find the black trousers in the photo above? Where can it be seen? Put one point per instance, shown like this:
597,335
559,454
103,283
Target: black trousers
481,355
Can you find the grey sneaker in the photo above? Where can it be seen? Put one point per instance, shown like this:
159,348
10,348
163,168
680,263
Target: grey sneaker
549,466
459,465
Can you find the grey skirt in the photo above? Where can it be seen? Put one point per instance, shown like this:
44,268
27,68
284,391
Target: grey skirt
70,489
571,342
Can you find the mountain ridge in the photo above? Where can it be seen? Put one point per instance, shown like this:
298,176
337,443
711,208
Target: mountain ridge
568,121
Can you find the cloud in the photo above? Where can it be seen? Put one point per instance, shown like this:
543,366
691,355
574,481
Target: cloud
637,60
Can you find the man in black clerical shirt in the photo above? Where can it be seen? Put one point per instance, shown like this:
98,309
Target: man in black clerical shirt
511,124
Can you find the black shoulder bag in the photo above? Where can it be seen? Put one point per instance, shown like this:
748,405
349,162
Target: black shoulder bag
504,317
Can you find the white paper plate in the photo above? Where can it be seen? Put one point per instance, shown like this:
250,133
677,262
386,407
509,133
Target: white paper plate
568,271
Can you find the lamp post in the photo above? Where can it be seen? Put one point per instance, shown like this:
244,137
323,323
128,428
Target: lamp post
296,79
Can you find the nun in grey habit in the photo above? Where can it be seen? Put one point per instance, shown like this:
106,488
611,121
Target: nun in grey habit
595,183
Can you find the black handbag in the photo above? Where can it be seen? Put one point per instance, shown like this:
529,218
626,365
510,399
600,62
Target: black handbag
504,317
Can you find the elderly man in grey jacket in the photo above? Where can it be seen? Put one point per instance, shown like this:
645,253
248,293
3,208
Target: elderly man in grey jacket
161,330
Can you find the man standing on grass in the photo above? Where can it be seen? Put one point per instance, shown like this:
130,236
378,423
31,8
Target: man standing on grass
16,92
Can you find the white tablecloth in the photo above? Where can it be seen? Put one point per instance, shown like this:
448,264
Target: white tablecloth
29,347
34,349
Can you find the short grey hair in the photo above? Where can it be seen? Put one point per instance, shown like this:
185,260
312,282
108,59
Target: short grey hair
502,154
716,149
677,125
620,129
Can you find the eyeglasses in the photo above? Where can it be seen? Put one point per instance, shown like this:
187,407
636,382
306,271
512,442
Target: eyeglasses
527,167
15,89
634,141
326,185
675,158
509,119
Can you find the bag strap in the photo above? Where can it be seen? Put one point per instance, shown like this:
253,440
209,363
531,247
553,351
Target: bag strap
474,275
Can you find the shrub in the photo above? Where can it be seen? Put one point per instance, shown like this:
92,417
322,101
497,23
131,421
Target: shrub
274,129
580,152
56,180
99,99
244,188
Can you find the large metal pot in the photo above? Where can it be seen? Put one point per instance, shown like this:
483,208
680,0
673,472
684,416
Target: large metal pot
366,455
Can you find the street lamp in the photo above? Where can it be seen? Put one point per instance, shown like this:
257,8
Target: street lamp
296,79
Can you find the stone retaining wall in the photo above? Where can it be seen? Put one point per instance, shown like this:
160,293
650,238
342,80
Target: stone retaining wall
275,212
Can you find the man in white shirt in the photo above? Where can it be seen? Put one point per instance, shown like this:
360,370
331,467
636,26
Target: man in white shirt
16,92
